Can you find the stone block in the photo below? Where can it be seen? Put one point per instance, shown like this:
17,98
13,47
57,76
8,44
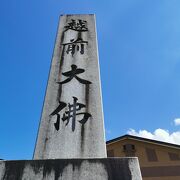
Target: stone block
71,169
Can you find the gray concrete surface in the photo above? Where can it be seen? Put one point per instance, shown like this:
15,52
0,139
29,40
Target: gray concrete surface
71,169
73,138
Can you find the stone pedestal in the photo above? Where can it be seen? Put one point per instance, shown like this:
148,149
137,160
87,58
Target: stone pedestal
71,169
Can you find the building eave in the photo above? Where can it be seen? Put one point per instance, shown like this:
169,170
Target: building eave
141,139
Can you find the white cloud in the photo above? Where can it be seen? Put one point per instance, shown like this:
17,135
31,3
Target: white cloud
158,134
177,121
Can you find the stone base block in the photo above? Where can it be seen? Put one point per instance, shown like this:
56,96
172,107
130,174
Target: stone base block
71,169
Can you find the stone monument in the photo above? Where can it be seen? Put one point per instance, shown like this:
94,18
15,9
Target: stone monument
72,120
70,143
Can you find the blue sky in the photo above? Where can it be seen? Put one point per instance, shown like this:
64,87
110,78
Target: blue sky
139,50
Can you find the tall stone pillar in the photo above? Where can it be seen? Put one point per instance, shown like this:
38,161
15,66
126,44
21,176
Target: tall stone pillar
72,124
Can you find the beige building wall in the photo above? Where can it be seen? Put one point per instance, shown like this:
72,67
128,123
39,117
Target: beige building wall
157,161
